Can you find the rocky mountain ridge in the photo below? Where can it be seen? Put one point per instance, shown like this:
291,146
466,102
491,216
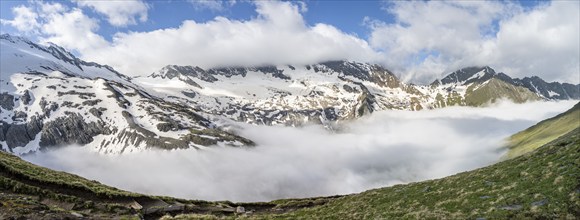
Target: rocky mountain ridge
49,97
335,91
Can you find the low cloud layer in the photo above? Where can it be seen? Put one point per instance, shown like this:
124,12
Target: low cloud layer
386,148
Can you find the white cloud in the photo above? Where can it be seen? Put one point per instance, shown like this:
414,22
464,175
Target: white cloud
213,5
73,30
24,19
386,148
278,35
543,42
431,38
119,12
56,23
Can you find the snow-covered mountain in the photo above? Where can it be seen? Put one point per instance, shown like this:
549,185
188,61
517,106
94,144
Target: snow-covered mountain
282,94
48,97
480,76
332,91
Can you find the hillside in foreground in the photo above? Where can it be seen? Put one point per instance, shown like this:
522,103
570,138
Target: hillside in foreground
545,131
544,183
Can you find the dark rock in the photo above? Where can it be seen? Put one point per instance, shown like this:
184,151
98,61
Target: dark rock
26,97
43,103
3,129
33,127
121,101
92,102
96,112
540,203
71,129
82,95
70,104
167,126
17,136
189,94
19,116
330,114
6,101
512,207
349,89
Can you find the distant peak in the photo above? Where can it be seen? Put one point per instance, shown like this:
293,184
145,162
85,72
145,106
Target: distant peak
468,75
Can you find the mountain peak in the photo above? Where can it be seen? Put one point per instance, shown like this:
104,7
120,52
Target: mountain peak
20,55
468,75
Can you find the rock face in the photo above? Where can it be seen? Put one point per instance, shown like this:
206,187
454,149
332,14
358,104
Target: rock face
18,135
71,129
53,98
6,101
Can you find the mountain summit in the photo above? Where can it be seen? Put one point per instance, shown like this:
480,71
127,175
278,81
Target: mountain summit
535,84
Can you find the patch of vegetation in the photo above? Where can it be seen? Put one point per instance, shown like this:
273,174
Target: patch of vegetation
543,132
202,137
543,184
495,89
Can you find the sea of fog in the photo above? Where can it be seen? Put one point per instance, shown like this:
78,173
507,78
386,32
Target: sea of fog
383,149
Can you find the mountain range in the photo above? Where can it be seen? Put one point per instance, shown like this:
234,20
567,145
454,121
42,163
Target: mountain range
49,97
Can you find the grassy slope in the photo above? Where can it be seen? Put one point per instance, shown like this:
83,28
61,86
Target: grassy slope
543,132
496,89
545,183
35,192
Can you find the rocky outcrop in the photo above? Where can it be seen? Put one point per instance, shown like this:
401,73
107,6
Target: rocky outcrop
71,129
18,135
6,101
552,90
26,97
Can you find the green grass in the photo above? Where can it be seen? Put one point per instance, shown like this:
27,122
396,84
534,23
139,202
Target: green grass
546,184
14,166
543,132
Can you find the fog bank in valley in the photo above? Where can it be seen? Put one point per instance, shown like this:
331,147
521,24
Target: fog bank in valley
383,149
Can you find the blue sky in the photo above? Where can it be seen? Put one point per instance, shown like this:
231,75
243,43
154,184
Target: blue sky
419,40
346,15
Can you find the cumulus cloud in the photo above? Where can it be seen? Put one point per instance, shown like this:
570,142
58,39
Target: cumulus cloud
543,41
119,13
278,35
387,148
431,38
56,23
24,19
72,29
